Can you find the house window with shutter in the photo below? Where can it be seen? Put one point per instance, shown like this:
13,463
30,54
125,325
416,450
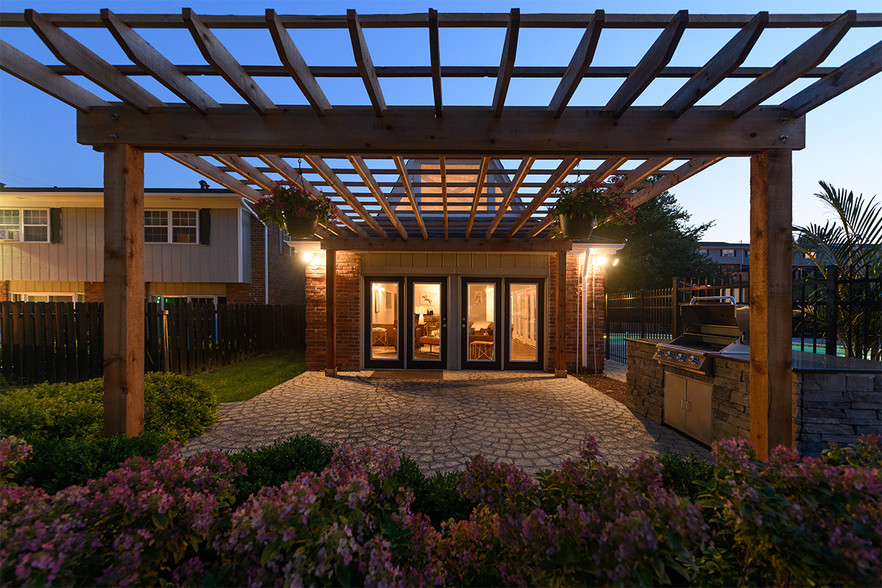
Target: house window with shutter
28,224
171,226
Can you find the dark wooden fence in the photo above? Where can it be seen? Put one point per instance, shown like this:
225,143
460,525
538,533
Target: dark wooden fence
62,341
834,316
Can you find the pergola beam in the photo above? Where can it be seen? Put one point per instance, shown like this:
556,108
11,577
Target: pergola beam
295,64
408,189
718,68
578,65
31,71
465,131
479,190
246,169
559,175
668,181
68,50
435,60
225,64
452,245
652,63
643,171
200,166
145,56
799,61
365,63
322,168
510,193
370,181
861,68
509,50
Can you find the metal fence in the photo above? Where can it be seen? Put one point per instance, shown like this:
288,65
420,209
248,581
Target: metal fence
63,341
853,328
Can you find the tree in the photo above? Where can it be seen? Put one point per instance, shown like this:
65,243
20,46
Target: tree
659,246
852,244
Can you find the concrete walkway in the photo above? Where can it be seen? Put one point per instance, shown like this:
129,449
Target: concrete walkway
529,418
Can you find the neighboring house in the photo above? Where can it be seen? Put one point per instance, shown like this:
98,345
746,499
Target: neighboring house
203,244
735,257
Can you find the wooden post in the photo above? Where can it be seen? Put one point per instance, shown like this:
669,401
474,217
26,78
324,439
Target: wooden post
771,357
560,363
123,290
330,313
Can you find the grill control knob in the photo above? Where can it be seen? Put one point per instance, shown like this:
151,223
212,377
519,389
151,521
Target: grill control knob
681,357
695,360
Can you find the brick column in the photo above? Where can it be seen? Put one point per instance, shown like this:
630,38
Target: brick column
93,291
348,336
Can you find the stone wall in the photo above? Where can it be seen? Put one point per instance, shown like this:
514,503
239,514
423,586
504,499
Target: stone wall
828,407
838,408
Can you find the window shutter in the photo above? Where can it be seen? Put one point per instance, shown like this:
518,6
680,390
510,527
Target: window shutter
55,225
205,226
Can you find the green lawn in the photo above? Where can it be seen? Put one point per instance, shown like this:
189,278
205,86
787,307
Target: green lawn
247,379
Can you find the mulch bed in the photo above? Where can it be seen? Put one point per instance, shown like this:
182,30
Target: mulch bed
615,389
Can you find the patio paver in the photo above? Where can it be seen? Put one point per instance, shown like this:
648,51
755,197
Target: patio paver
532,419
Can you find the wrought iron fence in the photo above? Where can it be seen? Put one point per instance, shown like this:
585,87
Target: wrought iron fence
853,328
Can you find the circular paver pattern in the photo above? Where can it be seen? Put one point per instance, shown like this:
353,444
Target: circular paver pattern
531,419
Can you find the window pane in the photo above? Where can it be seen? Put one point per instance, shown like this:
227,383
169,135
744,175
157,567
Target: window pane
155,235
427,321
36,217
183,235
156,217
9,219
384,320
36,233
183,218
482,322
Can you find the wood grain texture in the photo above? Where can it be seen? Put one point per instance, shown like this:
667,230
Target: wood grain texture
123,291
771,357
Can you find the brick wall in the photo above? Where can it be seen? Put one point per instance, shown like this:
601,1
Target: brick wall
4,290
574,318
287,273
348,305
253,292
93,291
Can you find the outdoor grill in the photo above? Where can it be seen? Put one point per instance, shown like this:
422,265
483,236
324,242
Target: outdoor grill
712,326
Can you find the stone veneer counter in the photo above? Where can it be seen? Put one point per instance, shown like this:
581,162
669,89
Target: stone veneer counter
835,399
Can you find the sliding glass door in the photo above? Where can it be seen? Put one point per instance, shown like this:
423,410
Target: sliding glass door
383,336
524,326
427,323
481,304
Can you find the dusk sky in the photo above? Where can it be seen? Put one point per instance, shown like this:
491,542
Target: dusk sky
38,145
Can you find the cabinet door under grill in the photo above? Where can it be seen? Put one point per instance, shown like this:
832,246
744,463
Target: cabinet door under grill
688,406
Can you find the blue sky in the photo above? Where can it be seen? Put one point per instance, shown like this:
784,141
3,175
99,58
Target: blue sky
38,138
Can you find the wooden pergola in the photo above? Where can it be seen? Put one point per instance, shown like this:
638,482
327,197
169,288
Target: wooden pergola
486,173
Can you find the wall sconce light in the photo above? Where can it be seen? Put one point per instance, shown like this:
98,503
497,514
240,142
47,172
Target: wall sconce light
305,250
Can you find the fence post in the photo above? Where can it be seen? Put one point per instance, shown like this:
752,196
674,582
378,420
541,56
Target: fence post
164,343
641,312
675,315
830,310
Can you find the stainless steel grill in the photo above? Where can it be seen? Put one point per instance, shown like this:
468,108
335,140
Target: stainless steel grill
712,325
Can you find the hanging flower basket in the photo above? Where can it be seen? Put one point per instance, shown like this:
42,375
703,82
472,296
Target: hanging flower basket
576,226
301,226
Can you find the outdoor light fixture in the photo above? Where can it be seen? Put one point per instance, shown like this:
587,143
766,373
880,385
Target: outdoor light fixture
305,250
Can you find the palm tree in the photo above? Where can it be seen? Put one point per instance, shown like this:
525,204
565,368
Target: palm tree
852,244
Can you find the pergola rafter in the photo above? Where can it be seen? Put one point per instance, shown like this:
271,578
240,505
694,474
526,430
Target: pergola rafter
478,142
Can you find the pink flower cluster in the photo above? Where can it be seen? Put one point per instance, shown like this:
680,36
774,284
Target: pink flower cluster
789,520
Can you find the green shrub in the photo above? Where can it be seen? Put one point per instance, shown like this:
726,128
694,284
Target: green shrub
280,462
57,464
54,411
685,476
437,497
176,406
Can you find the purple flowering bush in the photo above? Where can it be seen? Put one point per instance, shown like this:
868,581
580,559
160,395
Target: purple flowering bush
173,521
795,520
344,525
586,523
145,522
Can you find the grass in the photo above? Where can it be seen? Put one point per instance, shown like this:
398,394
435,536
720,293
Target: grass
247,379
